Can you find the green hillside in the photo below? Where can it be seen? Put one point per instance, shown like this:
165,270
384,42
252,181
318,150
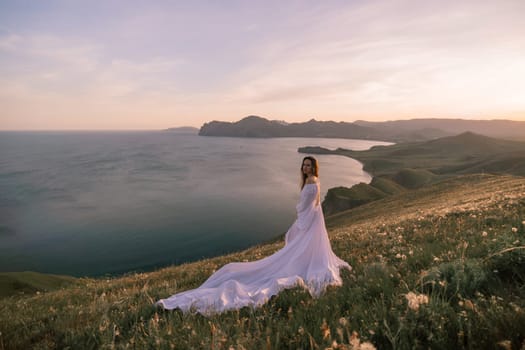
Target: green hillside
342,198
28,282
417,164
386,185
461,154
439,267
414,178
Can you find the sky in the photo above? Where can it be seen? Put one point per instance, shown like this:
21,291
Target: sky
110,65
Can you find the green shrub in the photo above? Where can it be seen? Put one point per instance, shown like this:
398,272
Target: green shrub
460,277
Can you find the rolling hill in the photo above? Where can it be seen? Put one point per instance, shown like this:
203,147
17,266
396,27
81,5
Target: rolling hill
417,164
460,154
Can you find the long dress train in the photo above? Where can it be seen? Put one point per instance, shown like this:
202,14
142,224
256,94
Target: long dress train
306,260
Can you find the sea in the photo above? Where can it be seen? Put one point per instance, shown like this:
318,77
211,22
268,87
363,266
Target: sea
113,202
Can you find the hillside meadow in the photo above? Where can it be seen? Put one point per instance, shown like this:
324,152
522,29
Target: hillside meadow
407,166
439,267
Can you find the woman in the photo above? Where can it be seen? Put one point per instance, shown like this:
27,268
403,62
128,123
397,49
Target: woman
306,260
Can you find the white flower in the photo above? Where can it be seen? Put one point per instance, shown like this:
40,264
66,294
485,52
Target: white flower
484,234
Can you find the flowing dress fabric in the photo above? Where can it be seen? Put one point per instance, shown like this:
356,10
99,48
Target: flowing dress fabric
306,260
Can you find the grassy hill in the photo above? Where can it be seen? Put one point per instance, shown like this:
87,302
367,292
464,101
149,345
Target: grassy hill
28,282
461,154
441,267
343,198
408,166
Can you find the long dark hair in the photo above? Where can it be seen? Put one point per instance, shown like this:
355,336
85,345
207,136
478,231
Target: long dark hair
315,169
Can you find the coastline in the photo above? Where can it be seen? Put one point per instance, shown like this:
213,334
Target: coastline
145,217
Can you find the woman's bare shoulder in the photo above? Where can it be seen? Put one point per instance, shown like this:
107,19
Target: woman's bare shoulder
312,180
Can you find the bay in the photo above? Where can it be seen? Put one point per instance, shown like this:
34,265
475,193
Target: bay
98,203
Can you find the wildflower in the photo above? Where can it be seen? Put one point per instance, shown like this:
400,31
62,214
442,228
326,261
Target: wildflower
484,234
354,341
515,307
415,300
514,230
367,346
325,330
469,305
505,344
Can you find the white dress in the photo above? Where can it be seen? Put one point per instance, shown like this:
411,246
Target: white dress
306,260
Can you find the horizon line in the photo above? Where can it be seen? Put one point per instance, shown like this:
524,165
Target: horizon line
252,115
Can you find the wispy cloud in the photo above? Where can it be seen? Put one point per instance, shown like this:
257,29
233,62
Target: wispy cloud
409,60
162,64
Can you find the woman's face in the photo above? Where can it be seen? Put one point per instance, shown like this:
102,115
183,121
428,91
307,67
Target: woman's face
307,167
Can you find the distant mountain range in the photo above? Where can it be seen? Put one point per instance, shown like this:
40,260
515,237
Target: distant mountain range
394,131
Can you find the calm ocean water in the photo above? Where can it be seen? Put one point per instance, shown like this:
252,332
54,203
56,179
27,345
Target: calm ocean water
95,203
